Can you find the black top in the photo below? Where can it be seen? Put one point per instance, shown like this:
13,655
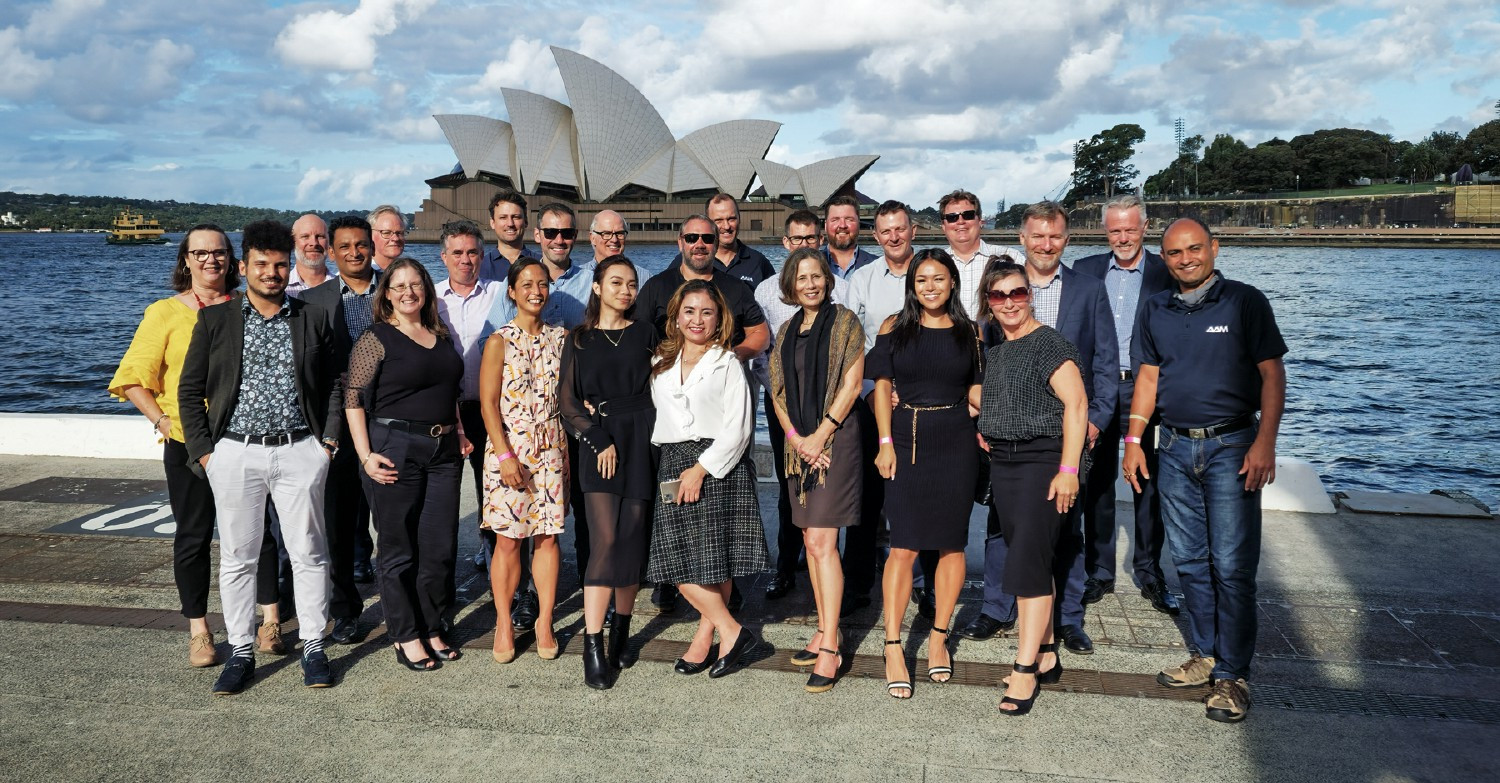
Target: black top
610,368
749,265
1017,402
933,369
651,304
1207,353
392,377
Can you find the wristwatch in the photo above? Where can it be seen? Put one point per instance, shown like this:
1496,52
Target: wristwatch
331,446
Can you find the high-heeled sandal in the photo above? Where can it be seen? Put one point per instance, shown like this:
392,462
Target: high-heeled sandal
445,653
1023,706
891,686
817,683
1053,675
934,671
424,665
804,658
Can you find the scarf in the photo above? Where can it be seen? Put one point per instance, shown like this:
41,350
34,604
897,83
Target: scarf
833,343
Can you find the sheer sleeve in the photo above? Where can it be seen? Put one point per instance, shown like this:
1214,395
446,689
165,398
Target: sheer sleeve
570,398
364,371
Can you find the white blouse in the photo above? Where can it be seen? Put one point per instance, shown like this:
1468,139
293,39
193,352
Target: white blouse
713,403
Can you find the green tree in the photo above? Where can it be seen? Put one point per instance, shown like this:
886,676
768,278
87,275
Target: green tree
1180,176
1101,165
1449,148
1011,217
1483,147
1337,157
1267,167
1220,164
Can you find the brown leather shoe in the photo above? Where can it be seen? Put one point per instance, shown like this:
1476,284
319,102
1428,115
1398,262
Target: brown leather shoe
268,639
201,652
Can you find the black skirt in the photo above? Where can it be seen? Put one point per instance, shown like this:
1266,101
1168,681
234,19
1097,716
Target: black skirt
718,537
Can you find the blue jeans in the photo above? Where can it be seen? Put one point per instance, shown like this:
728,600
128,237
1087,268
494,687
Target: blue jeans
1213,528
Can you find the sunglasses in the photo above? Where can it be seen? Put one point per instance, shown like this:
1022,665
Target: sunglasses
1019,295
565,233
707,239
954,217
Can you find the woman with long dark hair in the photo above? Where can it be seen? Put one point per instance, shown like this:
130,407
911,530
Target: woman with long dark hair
929,352
707,527
605,395
816,374
1033,415
401,405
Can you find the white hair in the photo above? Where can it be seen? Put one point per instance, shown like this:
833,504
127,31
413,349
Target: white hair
1124,201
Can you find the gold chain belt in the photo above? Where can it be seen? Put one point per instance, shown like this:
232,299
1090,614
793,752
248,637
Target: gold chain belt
916,409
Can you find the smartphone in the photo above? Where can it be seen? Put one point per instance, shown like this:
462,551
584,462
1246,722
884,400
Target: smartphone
669,490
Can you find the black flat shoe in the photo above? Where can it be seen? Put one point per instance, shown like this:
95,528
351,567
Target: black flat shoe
1094,590
984,627
1023,706
779,587
424,665
1161,600
685,666
1075,640
664,597
731,659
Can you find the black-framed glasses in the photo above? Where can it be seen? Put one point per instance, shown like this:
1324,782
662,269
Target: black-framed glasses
954,217
566,233
1017,295
202,255
610,234
389,234
706,238
802,239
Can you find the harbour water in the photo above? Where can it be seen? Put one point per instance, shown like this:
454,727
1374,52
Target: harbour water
1393,370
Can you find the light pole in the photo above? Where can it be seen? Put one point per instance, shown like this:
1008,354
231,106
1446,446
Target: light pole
1298,179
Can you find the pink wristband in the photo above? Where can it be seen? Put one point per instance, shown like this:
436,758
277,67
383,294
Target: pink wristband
885,440
507,455
791,432
1131,439
1067,469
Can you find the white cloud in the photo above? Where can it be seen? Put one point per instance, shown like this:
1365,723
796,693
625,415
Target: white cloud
107,82
527,65
165,167
60,20
329,40
21,73
391,184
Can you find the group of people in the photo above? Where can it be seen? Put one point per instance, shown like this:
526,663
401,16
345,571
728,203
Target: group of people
899,389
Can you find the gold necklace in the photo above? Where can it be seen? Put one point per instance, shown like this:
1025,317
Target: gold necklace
613,341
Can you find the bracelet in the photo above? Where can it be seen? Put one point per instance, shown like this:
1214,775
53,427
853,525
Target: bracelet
1140,417
366,459
1132,439
838,425
885,440
507,455
157,424
1067,469
791,432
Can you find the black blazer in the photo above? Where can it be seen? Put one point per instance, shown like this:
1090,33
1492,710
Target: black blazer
329,295
210,384
1084,317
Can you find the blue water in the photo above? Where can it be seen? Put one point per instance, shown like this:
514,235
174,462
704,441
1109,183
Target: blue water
1393,374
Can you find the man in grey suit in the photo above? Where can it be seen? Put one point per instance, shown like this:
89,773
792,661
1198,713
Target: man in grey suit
261,412
1131,275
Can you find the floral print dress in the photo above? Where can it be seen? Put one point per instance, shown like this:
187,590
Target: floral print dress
529,412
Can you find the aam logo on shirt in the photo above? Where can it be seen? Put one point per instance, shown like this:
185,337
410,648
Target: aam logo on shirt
1223,329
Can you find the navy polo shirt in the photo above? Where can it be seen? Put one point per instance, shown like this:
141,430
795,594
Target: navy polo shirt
749,265
1207,353
656,293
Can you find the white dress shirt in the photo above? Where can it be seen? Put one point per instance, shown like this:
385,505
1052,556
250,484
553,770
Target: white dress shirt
467,319
713,403
875,293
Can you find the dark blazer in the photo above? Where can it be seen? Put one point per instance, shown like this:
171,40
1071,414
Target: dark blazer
210,384
1085,319
329,295
1154,275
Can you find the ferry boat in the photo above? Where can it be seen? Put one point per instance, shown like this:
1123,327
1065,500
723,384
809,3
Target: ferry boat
133,228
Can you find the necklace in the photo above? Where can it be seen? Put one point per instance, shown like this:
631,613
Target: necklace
200,302
615,341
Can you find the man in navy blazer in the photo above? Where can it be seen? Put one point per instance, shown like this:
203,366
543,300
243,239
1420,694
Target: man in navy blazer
1131,274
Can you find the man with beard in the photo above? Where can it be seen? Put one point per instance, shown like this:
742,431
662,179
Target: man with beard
310,235
841,231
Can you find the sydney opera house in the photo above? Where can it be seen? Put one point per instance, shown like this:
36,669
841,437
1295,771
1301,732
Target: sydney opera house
608,148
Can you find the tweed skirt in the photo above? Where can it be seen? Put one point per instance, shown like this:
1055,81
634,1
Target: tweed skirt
709,541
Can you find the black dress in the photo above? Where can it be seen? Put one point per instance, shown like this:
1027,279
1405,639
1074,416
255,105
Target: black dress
612,372
929,500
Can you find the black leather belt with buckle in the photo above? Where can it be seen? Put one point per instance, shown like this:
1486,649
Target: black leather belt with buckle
270,439
1202,433
1126,375
417,427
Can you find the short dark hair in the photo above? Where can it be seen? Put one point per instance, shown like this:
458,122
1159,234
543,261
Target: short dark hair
459,228
960,195
271,236
788,279
349,221
557,208
182,277
506,196
844,200
803,216
702,217
891,207
1045,210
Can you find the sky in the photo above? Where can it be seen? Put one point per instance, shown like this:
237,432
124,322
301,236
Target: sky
328,105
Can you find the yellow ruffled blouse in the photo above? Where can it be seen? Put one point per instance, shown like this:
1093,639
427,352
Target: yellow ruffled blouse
155,356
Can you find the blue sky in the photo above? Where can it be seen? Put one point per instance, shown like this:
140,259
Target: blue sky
328,105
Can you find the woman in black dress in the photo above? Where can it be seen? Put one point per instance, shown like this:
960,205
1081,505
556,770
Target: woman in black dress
1033,414
930,353
605,395
816,374
401,405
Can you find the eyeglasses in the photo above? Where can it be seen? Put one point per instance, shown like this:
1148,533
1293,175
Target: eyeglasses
707,239
1019,295
569,234
606,234
404,288
388,234
802,239
954,217
202,255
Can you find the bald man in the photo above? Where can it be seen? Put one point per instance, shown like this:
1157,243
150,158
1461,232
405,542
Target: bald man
310,251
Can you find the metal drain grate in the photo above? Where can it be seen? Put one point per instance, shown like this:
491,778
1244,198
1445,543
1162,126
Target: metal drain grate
1376,704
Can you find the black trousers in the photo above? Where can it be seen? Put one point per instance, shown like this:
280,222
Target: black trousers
416,518
1100,528
192,502
346,516
859,540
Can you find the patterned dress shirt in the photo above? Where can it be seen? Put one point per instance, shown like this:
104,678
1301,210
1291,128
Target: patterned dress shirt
268,380
357,314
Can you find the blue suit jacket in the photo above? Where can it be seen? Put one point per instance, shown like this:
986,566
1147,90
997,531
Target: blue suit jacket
1085,319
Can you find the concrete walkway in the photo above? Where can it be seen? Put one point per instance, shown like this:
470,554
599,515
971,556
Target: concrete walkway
1379,659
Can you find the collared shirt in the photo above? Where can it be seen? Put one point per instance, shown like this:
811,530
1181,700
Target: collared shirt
467,319
567,298
1124,287
862,258
495,266
357,315
875,293
971,269
749,265
268,378
1046,300
295,284
712,404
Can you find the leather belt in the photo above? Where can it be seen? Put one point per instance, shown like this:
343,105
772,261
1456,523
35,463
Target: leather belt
623,405
1202,433
270,439
417,427
1126,375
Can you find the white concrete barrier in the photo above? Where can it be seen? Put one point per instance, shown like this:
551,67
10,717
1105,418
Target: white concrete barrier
78,435
1297,488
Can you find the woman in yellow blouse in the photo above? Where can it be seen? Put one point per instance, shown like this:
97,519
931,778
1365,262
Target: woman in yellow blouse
205,274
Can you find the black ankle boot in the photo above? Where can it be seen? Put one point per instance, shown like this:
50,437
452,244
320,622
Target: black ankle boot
596,672
620,654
